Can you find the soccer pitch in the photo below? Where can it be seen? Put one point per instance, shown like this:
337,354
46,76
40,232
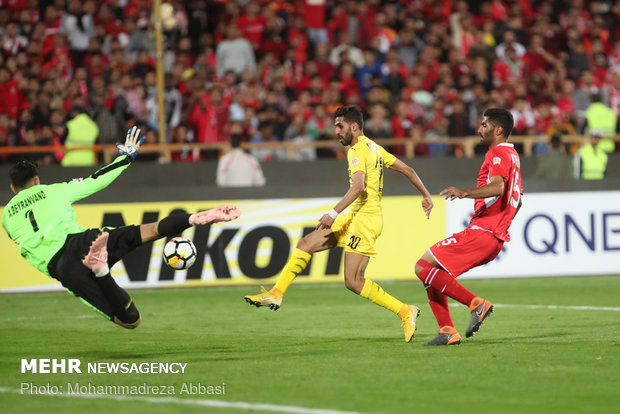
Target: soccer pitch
551,346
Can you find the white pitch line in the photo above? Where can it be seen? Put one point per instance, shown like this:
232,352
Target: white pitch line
499,305
593,308
560,307
204,403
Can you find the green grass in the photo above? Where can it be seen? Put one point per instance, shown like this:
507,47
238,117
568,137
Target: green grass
327,348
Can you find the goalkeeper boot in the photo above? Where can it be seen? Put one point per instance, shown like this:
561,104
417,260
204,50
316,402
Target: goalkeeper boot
447,336
409,322
265,298
215,215
480,309
97,257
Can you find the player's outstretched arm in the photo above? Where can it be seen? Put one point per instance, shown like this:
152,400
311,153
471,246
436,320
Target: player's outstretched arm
412,176
81,188
494,188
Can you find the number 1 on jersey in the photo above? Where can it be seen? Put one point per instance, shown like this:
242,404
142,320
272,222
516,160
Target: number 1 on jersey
30,215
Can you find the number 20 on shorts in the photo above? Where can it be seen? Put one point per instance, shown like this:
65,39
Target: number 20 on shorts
354,241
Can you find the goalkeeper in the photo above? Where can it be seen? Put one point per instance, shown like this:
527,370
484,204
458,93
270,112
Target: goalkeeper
42,222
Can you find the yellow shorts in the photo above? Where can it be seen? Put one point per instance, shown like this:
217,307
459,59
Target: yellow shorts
358,233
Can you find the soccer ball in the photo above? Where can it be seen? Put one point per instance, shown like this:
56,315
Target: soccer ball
179,253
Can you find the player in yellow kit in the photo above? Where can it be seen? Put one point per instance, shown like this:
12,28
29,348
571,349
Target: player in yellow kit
357,230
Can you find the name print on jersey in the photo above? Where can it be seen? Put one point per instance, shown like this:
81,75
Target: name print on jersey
17,207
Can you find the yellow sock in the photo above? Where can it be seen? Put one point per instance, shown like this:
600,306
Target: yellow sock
295,265
376,294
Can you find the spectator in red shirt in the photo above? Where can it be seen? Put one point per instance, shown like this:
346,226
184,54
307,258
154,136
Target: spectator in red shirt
321,58
402,122
339,22
209,118
537,58
252,24
310,69
184,135
5,141
349,82
297,39
509,69
428,67
105,16
272,37
13,41
459,125
12,99
315,21
183,52
600,68
564,99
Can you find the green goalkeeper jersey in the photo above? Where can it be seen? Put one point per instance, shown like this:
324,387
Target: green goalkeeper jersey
39,218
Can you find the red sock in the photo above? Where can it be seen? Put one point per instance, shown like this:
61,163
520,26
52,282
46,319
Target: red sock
439,306
446,284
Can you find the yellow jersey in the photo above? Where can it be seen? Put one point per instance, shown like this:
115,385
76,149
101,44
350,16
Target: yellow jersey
371,158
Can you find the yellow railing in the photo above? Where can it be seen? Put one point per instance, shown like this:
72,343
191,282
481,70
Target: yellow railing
467,144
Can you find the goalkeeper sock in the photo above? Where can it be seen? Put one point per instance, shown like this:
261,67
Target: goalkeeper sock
376,294
118,298
295,265
172,225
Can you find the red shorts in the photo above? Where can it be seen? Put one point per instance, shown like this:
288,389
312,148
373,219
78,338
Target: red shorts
465,250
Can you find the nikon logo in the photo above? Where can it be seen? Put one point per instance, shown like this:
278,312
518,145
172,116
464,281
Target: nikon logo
137,262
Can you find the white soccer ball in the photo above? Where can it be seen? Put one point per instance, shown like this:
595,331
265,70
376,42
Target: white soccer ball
179,253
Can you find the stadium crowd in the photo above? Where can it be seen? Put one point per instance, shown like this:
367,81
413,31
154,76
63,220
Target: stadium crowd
274,70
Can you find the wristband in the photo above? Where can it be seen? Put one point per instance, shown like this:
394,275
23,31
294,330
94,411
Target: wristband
333,214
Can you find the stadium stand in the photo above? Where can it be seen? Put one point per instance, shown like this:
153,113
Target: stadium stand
423,70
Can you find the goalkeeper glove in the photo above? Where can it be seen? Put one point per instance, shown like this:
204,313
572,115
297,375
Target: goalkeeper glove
132,143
